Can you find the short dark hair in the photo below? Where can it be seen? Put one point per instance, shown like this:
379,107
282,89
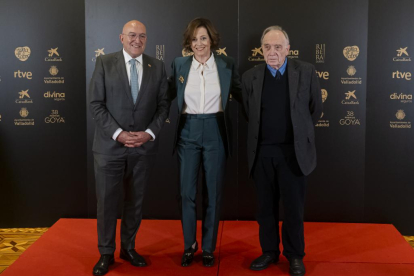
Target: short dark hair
193,26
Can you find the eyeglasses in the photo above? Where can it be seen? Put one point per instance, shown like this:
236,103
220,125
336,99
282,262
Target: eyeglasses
133,36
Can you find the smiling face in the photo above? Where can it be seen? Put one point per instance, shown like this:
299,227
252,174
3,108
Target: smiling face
134,38
201,44
275,48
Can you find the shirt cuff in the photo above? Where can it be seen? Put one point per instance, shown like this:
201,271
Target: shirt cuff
150,133
116,134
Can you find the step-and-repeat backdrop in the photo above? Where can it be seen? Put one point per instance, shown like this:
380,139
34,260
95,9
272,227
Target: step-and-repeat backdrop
362,53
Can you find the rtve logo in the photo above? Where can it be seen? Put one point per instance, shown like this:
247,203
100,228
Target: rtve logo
26,75
323,75
401,75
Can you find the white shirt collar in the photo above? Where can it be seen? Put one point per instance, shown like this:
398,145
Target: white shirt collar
210,62
127,57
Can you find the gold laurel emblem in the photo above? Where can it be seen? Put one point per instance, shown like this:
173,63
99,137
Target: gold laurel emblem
24,112
186,53
53,70
181,79
22,53
324,95
221,51
351,70
351,52
400,114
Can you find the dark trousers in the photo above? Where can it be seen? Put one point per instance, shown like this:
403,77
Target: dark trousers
200,143
277,176
127,173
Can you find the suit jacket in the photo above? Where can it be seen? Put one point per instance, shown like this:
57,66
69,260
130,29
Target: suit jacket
229,84
112,107
305,109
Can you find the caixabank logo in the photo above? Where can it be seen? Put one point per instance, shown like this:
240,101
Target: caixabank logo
53,55
402,55
402,122
23,97
350,98
257,54
98,52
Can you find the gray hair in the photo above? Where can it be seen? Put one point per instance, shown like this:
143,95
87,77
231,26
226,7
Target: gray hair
274,28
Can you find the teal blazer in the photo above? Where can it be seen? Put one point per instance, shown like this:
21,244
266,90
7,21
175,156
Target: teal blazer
229,85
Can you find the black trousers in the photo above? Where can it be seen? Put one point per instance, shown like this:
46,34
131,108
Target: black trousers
114,174
277,176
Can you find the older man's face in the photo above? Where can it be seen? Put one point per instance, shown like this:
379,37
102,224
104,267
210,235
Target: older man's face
275,48
134,38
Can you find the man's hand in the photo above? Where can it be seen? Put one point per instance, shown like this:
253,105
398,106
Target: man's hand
133,139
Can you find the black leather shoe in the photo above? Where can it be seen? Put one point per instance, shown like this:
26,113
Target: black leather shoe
297,268
264,261
208,259
188,255
102,266
133,257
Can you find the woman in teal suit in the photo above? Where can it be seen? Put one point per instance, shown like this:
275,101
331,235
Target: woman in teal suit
202,84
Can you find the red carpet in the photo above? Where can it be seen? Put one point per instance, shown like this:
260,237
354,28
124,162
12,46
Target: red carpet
334,249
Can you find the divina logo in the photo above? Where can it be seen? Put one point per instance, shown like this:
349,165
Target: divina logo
401,75
404,98
57,96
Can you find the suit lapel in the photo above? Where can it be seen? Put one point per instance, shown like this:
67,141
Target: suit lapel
146,75
224,74
181,81
293,78
258,80
120,66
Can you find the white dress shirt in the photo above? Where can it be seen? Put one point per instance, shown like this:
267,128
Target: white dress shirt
202,94
138,63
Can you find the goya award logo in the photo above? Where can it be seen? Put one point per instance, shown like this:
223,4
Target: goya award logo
24,97
54,118
22,53
98,52
351,52
24,113
402,55
53,55
401,123
53,71
350,120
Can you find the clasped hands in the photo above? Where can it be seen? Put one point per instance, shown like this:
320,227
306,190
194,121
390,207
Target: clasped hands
133,139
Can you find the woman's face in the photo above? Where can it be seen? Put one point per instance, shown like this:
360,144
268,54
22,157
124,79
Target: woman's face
201,43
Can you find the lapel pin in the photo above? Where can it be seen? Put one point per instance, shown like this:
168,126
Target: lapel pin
181,79
149,65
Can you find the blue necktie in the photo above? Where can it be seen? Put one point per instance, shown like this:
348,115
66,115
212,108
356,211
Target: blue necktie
134,80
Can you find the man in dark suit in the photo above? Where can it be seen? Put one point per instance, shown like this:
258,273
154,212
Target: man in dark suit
282,99
129,102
